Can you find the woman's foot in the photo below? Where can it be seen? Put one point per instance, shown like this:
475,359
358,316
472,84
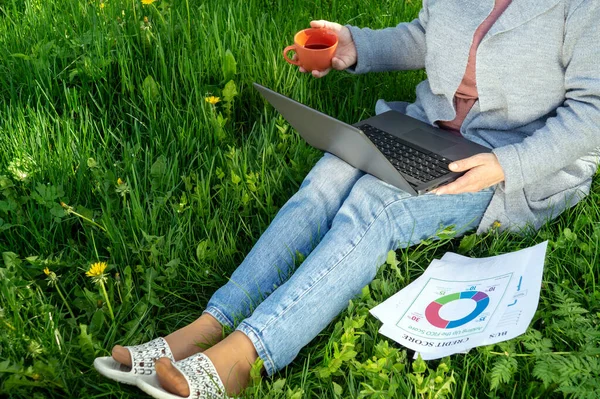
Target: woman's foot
233,359
189,340
170,378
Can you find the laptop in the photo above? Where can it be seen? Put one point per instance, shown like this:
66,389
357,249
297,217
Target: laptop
402,151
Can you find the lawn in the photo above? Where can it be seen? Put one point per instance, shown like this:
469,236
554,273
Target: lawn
109,152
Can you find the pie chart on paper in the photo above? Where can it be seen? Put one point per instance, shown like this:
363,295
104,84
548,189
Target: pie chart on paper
432,312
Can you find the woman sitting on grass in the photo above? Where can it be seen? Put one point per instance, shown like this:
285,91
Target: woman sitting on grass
522,78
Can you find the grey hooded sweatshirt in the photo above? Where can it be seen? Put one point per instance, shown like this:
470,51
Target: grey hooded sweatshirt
538,79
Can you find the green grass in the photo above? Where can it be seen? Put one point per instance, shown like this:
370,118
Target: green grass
89,95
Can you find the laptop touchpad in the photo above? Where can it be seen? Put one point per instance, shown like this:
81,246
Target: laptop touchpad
427,140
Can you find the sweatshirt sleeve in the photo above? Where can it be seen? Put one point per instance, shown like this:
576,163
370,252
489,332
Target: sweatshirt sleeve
575,129
399,48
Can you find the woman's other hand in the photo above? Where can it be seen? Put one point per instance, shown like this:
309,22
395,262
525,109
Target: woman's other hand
345,54
484,171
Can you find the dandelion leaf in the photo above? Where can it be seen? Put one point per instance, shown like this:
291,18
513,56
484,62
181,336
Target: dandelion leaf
157,171
153,300
337,389
97,321
86,343
278,385
391,258
159,167
229,66
204,250
150,89
11,259
467,243
447,232
230,91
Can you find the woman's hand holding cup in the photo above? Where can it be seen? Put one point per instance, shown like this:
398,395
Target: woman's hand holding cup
345,53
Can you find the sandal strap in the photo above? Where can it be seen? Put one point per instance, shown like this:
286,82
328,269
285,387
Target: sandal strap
202,377
143,356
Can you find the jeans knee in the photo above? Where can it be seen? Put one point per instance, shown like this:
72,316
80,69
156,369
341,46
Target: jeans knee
370,194
331,179
332,171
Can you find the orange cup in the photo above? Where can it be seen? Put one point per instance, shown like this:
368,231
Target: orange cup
314,48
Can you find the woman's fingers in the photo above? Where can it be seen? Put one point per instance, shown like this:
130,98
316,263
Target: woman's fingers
340,63
483,170
300,68
315,73
468,163
461,185
320,74
321,23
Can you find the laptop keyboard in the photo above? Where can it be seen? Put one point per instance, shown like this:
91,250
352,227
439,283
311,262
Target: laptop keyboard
406,157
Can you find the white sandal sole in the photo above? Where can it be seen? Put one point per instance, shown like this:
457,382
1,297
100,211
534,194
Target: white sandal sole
142,357
200,374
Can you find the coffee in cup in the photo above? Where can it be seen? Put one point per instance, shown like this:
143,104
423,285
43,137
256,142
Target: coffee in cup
314,48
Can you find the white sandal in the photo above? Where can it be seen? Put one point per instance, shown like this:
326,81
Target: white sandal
142,362
202,378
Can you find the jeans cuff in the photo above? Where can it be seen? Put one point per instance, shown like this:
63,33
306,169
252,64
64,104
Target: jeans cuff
220,316
269,364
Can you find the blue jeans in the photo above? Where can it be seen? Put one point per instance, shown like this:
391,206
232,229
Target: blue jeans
345,222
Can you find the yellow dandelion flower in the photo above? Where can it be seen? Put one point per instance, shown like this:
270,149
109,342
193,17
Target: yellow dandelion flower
96,272
148,2
51,277
102,6
496,224
212,100
96,269
122,187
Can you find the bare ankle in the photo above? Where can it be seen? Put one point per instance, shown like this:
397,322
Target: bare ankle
233,358
209,331
196,337
209,320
